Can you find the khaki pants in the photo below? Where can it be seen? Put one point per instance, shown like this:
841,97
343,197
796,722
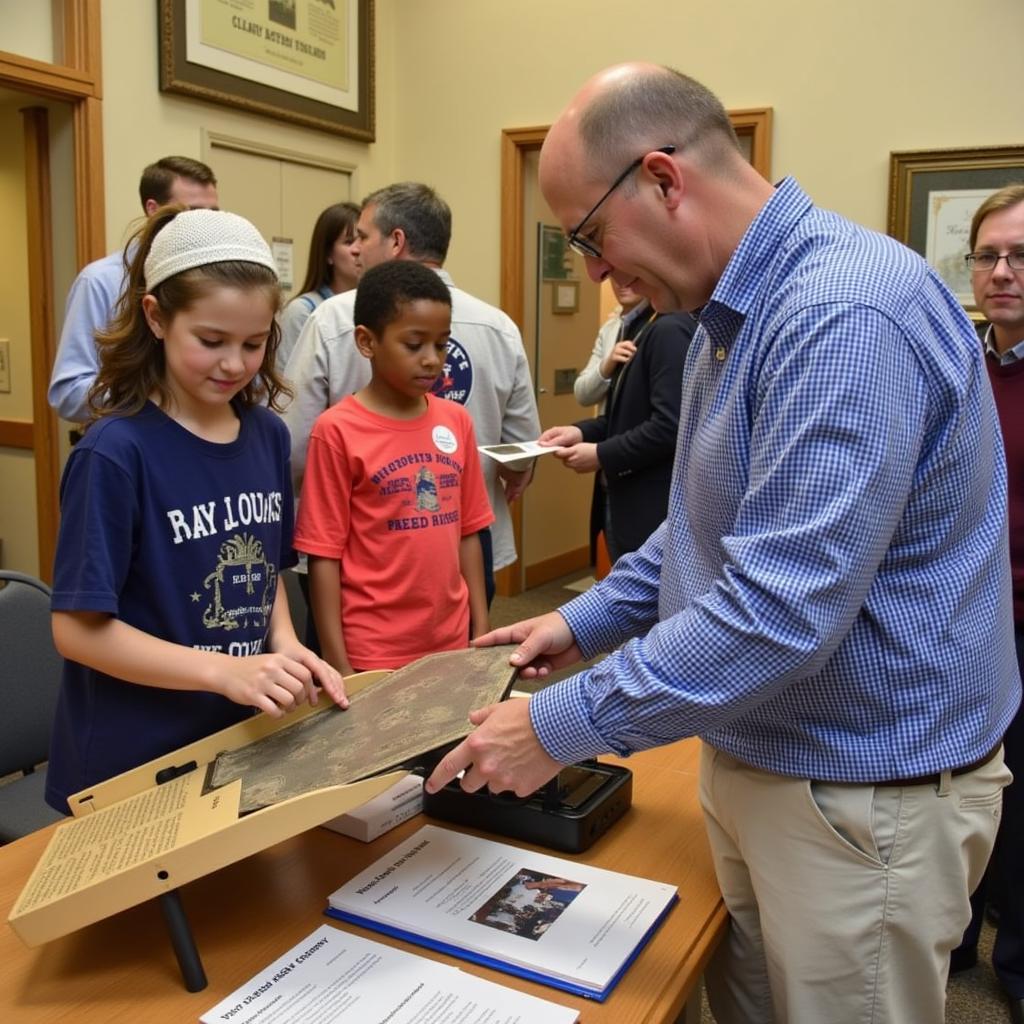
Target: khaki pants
845,900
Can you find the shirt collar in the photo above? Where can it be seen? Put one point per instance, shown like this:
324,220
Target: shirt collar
1007,358
745,272
636,312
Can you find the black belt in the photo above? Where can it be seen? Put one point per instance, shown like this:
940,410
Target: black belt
935,778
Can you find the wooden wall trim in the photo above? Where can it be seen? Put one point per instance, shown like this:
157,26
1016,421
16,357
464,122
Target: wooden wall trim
561,565
40,290
82,39
515,143
52,80
90,206
16,434
756,122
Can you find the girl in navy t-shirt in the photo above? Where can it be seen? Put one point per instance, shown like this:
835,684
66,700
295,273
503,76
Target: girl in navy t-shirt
176,514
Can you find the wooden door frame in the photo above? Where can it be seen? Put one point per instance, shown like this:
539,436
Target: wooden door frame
754,123
516,143
75,81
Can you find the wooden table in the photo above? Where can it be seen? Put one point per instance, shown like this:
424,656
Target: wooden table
246,915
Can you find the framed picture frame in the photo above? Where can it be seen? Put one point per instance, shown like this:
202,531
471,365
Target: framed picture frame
933,195
309,62
753,127
555,257
565,296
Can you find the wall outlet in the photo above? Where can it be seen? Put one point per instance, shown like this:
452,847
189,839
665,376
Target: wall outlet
5,364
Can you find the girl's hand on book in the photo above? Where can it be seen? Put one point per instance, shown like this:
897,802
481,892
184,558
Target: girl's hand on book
325,676
321,673
274,683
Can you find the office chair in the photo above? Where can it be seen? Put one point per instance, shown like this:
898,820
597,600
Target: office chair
30,671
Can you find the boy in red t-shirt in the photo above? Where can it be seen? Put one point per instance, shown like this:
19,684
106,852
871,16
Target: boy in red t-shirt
393,496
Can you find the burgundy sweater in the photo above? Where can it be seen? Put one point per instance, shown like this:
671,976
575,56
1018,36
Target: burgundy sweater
1008,388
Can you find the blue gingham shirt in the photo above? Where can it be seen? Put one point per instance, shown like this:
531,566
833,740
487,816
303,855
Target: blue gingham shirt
829,596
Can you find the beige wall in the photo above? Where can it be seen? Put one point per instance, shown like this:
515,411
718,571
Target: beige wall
142,124
31,29
848,83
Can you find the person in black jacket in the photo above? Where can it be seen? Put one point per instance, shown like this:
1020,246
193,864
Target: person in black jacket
632,444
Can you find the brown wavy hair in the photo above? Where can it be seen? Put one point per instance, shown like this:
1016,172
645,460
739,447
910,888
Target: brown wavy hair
132,365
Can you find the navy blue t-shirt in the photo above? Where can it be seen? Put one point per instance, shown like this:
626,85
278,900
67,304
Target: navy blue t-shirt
183,539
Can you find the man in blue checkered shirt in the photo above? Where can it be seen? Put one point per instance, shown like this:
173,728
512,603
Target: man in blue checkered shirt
827,604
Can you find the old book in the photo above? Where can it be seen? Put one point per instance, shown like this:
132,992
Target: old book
158,826
414,711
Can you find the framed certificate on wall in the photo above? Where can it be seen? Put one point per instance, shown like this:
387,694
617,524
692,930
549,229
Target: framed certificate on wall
306,61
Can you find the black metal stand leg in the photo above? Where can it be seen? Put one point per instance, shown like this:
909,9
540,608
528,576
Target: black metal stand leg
184,944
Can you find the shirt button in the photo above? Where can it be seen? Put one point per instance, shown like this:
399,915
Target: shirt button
720,353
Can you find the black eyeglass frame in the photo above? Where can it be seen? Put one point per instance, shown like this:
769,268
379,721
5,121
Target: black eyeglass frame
584,246
972,258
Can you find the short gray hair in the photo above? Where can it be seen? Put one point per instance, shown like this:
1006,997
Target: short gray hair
424,217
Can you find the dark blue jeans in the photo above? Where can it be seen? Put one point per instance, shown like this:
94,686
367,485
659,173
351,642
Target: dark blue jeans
487,547
311,640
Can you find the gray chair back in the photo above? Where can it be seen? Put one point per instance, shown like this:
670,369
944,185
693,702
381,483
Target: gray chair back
30,672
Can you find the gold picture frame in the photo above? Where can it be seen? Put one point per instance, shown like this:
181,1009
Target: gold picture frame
933,194
565,296
283,66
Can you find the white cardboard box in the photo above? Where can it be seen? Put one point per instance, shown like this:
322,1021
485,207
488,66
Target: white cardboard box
383,812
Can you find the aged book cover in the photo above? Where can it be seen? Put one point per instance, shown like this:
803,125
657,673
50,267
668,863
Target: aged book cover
414,711
135,837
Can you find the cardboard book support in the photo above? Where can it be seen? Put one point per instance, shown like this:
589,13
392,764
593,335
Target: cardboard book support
145,833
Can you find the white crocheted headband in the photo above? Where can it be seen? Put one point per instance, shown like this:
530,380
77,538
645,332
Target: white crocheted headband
198,237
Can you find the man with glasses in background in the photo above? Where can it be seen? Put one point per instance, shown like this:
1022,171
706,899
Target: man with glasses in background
828,603
996,263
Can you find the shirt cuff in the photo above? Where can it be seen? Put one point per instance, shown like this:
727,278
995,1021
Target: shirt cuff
590,624
560,717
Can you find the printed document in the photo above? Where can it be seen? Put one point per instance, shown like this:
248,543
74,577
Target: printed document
556,921
332,976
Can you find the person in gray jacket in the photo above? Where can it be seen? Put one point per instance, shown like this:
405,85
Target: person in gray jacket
486,369
613,348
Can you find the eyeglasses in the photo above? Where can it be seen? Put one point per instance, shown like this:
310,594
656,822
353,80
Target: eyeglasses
982,262
584,246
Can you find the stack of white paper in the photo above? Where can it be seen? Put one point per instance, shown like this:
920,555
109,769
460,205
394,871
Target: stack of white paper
381,814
